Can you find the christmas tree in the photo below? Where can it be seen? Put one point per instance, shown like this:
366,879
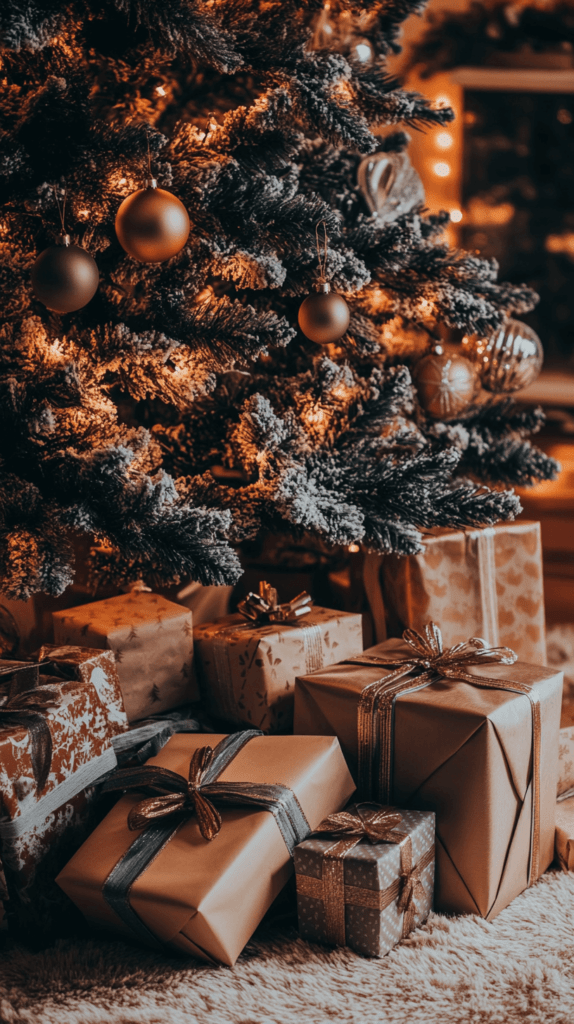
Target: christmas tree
182,410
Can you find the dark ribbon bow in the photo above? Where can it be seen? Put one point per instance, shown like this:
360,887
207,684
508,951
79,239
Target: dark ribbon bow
27,709
264,606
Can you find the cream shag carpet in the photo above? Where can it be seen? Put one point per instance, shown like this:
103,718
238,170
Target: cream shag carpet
518,969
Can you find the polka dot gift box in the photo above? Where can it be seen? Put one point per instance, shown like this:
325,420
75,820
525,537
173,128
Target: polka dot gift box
365,877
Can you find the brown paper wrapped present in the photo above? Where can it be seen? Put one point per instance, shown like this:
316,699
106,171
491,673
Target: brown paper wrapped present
485,582
474,740
565,833
56,741
566,750
152,639
365,878
247,670
205,890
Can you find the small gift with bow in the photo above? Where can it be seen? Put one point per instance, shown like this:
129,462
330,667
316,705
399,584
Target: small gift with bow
247,662
468,732
195,852
152,639
58,719
365,877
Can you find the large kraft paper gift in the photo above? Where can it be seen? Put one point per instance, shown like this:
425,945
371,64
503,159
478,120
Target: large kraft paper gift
566,751
152,639
565,833
479,582
247,669
200,879
56,742
365,877
466,733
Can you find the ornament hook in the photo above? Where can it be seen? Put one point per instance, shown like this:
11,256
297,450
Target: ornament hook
322,253
64,238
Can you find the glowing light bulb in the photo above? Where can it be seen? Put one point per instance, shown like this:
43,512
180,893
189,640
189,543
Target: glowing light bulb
83,213
444,140
123,181
442,170
456,216
161,91
353,548
444,101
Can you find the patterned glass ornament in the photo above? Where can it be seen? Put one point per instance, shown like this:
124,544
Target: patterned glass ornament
509,359
446,383
389,184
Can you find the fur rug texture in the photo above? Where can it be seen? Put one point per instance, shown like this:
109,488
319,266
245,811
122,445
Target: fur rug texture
517,969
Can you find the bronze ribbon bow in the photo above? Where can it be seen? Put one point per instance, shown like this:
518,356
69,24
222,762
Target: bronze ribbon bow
27,709
264,606
427,662
377,825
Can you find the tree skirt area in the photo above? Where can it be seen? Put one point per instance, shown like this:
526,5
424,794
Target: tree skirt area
518,968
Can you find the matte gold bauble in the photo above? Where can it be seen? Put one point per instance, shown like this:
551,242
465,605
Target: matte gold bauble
509,359
446,384
152,225
65,277
324,316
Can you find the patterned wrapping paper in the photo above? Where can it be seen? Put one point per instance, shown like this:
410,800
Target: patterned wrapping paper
40,831
465,752
247,672
566,750
374,867
152,639
565,834
485,583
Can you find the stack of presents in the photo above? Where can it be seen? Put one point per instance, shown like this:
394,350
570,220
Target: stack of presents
164,783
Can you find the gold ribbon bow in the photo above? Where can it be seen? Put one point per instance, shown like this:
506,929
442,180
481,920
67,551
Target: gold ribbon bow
27,709
264,606
180,794
426,662
377,825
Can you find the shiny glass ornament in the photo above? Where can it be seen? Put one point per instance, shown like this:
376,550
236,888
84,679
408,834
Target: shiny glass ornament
152,224
389,184
446,383
509,359
65,277
324,316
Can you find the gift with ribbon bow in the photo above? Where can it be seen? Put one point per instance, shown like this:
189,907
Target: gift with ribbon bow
247,662
468,732
373,884
201,843
56,742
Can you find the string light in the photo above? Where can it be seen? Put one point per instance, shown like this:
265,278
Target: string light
441,169
161,91
456,216
444,140
353,548
83,213
122,181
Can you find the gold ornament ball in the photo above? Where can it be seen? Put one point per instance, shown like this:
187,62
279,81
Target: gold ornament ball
446,384
509,359
152,225
324,317
65,277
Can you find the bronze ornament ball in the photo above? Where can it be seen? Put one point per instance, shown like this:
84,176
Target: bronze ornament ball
445,383
324,316
65,277
509,359
152,224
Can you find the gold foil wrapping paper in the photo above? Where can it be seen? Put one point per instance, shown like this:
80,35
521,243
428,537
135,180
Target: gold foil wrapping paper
466,753
206,898
484,582
370,889
247,673
152,639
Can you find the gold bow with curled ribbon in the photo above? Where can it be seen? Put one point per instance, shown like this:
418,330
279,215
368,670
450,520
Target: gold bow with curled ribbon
377,825
27,709
426,662
264,606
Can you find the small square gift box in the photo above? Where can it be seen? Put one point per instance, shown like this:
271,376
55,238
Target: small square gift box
56,742
152,639
247,663
479,582
365,877
195,852
468,732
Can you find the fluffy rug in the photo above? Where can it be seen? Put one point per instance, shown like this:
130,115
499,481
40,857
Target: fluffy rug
518,969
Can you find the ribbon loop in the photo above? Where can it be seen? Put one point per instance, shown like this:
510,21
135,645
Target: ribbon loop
264,606
27,709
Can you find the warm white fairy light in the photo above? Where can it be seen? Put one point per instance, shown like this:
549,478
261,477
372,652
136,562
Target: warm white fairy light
353,548
456,216
441,169
444,140
161,91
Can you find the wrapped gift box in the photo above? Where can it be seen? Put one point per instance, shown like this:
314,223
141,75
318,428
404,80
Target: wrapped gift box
41,826
566,750
201,897
460,750
565,833
485,583
368,896
152,639
247,671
